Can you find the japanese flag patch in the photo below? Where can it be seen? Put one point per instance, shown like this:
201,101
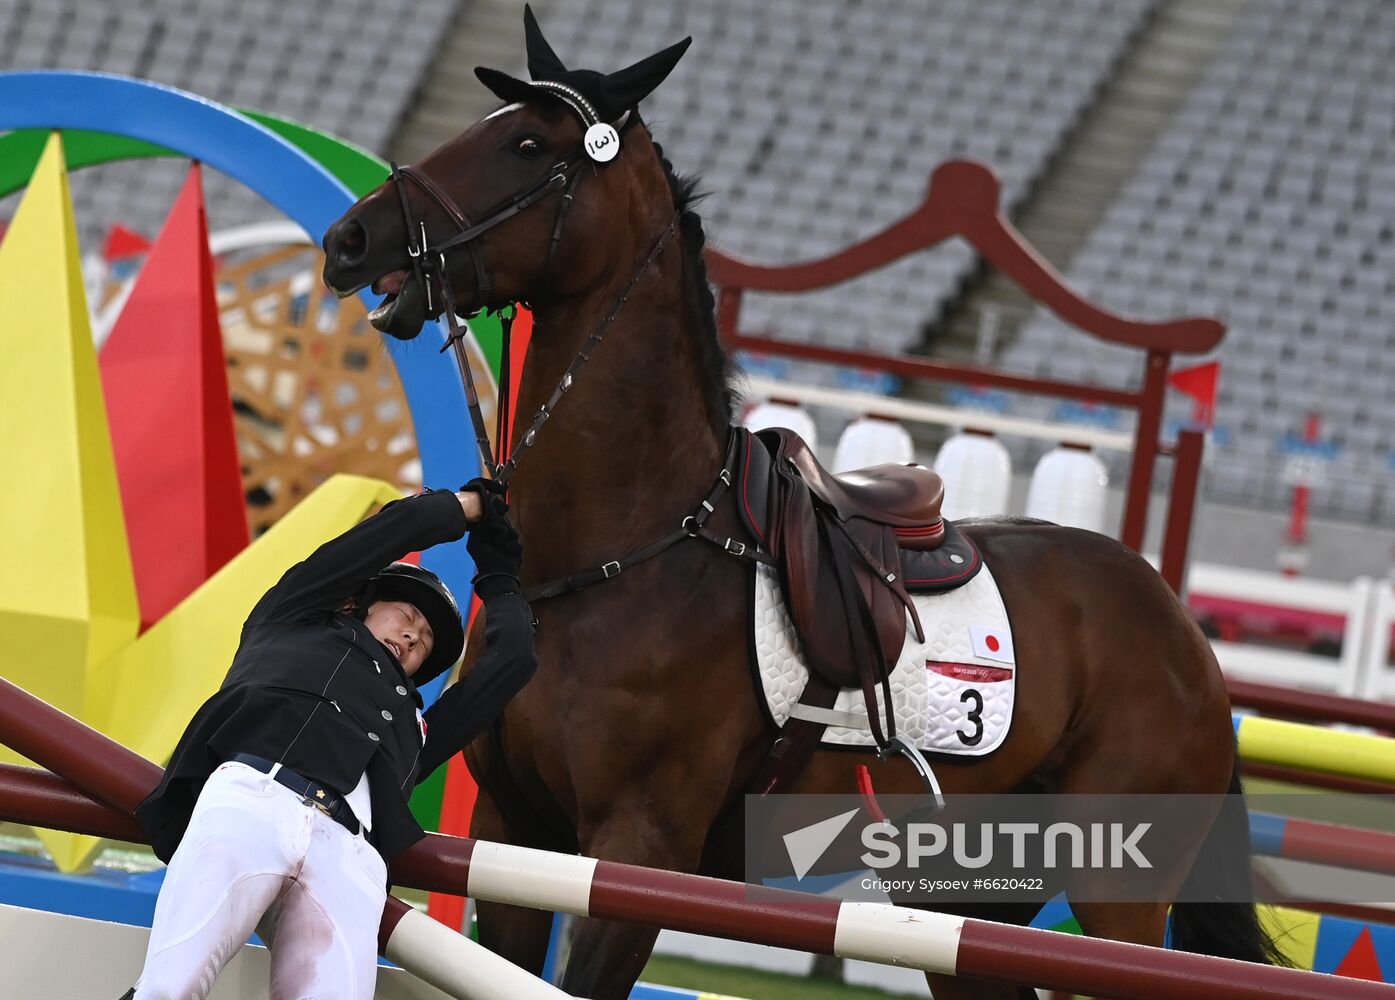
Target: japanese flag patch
992,643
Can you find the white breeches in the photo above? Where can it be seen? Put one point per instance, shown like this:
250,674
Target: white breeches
256,857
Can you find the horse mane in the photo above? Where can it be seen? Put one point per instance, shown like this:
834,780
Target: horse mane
713,361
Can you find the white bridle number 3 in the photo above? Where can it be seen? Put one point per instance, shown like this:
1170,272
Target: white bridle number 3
602,142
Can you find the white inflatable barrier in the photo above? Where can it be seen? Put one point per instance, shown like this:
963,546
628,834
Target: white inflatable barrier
777,413
873,441
1069,486
977,471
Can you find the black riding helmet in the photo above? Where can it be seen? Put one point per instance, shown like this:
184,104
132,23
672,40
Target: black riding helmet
424,590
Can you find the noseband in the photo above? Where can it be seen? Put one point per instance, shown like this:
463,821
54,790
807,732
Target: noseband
429,267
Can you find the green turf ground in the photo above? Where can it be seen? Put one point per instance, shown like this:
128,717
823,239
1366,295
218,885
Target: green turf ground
665,970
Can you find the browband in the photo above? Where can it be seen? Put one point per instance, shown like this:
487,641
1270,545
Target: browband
572,97
575,100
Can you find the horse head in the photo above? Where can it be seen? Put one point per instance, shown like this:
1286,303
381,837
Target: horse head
538,201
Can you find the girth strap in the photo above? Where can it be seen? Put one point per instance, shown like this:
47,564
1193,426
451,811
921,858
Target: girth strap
797,740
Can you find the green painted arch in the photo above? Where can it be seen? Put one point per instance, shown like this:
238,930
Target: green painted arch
359,170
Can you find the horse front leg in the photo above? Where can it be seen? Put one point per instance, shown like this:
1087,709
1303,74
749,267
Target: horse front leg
607,957
516,933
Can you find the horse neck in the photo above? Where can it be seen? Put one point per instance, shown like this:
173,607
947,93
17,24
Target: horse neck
635,444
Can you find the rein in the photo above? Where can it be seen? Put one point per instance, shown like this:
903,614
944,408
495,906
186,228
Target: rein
429,268
429,264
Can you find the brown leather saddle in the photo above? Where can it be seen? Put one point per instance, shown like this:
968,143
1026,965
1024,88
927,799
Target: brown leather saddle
850,550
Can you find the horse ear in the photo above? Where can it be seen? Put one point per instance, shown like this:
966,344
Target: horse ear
543,63
627,87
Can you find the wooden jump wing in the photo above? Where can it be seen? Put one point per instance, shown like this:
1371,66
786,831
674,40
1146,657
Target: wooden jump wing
963,200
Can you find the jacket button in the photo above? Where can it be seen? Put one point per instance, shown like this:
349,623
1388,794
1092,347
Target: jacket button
374,737
401,689
387,715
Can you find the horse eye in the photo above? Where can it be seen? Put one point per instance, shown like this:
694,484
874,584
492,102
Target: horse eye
529,147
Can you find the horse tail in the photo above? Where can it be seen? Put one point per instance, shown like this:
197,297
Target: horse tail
1224,925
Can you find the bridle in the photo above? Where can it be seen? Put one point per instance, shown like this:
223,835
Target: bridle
429,266
428,260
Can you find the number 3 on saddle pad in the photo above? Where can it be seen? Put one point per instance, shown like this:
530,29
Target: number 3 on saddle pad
952,694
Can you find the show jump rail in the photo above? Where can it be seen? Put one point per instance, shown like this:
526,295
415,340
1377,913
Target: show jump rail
932,942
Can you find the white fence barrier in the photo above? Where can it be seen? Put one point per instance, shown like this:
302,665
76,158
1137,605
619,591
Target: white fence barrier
1353,673
1378,672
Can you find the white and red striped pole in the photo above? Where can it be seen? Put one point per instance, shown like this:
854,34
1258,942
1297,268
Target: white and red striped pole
875,932
451,962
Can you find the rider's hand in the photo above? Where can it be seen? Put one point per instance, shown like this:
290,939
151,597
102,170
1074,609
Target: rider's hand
493,542
474,495
471,505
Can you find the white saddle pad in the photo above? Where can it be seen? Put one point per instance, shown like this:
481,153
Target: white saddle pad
951,694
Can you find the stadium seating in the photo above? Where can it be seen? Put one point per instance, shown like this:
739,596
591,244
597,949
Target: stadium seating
812,123
1269,200
1271,203
815,123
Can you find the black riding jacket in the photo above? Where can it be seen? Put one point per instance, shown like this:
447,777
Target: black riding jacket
312,688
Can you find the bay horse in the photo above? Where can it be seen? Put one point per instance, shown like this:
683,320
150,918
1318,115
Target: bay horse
641,731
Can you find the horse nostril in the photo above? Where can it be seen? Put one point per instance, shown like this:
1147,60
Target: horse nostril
350,243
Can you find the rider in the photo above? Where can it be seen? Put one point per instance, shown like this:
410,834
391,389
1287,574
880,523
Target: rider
289,788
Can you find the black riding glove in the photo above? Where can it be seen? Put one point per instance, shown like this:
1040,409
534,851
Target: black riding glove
485,486
493,543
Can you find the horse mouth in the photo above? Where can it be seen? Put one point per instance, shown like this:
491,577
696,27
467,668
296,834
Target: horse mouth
402,313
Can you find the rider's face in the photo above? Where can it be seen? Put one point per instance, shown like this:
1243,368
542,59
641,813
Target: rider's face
403,629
